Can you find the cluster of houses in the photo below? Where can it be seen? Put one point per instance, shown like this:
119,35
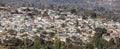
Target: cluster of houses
28,22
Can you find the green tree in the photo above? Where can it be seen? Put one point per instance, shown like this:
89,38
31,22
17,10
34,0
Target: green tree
26,43
78,30
64,46
98,41
27,9
57,44
117,41
68,40
77,23
111,42
100,30
73,11
42,48
88,46
37,42
93,15
39,29
45,13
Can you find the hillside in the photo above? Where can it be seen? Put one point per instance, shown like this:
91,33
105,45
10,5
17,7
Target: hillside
110,4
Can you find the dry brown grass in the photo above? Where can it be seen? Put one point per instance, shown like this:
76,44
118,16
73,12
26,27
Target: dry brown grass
3,47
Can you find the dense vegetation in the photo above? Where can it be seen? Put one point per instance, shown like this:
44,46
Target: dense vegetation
96,42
